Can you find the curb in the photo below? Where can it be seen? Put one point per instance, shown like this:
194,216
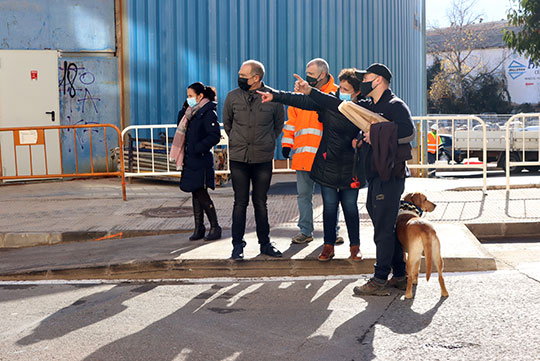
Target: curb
494,188
482,231
487,231
257,267
31,239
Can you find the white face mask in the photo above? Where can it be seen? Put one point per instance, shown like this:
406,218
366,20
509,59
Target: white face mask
192,101
345,96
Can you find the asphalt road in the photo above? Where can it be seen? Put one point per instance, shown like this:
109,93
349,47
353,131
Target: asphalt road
488,316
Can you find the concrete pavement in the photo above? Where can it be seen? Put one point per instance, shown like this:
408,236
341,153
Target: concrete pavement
487,316
147,236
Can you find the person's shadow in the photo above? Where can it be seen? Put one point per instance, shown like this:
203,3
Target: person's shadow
84,312
398,316
245,321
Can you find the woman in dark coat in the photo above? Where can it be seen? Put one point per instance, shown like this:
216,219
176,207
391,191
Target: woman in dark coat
336,168
198,119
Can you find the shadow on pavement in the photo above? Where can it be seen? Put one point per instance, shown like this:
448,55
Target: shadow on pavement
84,312
231,321
399,317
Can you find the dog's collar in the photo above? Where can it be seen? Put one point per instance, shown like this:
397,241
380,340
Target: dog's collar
408,207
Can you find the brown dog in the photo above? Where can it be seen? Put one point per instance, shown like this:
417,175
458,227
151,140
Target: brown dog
417,235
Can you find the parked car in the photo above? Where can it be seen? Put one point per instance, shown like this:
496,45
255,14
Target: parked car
489,126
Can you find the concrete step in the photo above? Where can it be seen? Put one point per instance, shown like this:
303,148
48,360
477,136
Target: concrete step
174,256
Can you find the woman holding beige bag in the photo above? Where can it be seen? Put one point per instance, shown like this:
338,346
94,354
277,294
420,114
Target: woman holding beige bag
337,167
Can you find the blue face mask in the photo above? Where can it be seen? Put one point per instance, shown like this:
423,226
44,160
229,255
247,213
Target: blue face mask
192,102
345,96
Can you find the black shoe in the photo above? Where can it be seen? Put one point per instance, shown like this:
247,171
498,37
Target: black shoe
238,251
213,234
269,250
198,233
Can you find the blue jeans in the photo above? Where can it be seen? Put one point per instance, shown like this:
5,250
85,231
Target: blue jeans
383,206
260,176
305,186
331,199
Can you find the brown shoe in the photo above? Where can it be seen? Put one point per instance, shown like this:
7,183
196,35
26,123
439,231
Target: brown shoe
327,253
356,255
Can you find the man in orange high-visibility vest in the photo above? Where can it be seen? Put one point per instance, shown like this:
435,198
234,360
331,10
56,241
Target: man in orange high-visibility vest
433,143
301,137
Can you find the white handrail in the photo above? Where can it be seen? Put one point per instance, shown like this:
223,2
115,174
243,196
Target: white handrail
224,142
422,121
520,119
452,164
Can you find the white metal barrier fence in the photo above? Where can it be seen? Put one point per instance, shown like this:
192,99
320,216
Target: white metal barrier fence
147,157
522,144
150,157
455,158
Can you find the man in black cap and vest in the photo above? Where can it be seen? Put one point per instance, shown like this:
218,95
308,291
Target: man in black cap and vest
388,148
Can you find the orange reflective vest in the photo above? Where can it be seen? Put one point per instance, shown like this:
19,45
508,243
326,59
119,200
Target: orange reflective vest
432,143
303,132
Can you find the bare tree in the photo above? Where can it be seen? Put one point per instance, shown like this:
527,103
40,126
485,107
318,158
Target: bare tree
454,46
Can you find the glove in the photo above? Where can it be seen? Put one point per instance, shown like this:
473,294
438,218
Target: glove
286,151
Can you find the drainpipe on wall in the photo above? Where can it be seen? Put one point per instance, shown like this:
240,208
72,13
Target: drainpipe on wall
119,15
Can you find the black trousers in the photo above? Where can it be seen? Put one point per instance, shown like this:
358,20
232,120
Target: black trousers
383,205
259,175
432,157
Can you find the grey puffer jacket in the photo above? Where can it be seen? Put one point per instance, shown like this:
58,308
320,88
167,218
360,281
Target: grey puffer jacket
252,127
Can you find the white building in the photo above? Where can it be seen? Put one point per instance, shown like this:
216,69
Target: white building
522,76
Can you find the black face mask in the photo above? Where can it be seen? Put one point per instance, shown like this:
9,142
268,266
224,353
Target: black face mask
366,88
312,81
243,83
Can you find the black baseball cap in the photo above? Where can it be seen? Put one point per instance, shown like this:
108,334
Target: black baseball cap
379,69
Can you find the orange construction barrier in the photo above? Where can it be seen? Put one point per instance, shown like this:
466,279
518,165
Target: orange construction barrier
37,136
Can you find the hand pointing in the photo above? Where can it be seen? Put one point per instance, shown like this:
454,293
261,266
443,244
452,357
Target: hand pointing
266,97
301,85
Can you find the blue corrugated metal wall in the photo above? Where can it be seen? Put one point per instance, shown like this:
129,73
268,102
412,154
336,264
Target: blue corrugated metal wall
173,43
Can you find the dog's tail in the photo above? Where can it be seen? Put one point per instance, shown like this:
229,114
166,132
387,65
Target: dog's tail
426,243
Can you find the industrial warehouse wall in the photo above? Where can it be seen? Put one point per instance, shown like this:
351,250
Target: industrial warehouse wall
173,43
84,32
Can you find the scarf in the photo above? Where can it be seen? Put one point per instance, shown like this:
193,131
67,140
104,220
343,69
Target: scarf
177,147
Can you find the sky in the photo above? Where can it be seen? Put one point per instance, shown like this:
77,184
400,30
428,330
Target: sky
490,10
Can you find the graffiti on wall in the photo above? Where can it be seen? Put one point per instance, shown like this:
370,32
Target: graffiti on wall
81,105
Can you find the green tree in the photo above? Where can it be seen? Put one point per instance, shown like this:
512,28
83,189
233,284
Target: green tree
489,93
485,91
527,40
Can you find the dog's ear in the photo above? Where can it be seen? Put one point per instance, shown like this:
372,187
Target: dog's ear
408,197
417,199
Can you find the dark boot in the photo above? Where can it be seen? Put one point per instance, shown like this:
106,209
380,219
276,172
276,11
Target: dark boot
198,215
215,229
